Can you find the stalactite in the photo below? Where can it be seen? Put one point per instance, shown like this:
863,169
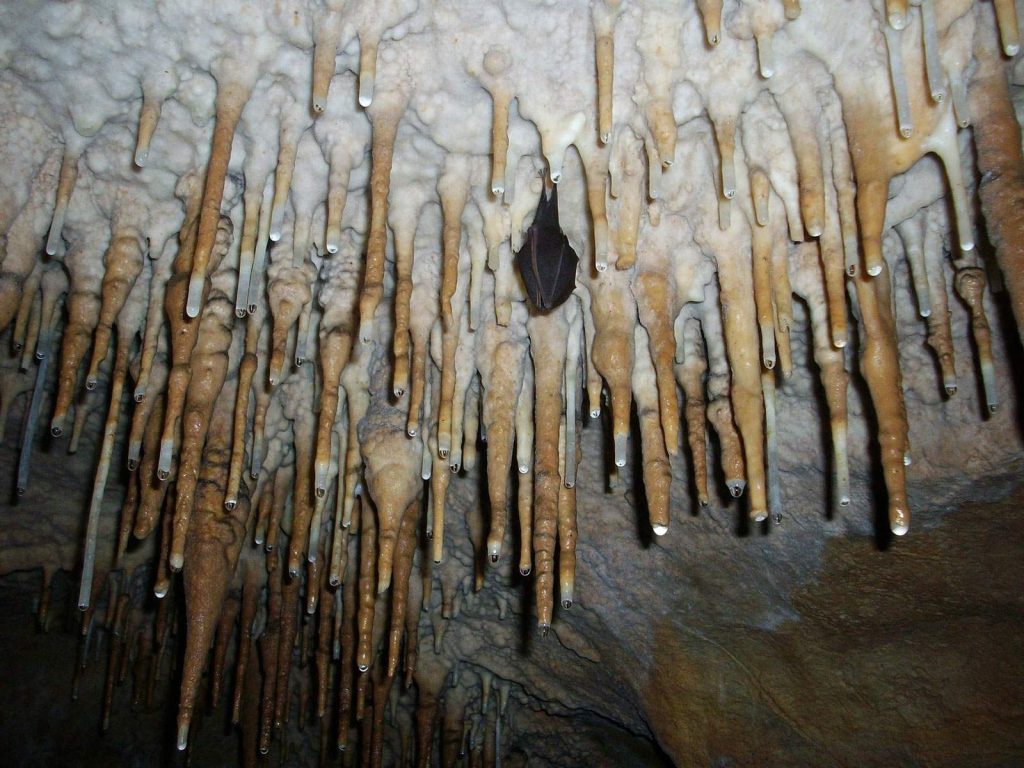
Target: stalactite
233,90
65,187
385,119
547,343
211,554
736,286
970,285
208,366
997,139
880,366
683,157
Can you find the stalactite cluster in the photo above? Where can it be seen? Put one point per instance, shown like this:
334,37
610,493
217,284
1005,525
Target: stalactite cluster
280,257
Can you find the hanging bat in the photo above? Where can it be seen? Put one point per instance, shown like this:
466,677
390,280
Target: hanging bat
547,263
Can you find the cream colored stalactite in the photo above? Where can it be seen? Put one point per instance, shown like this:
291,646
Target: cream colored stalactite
234,84
898,75
662,125
911,234
385,117
761,254
657,472
970,286
369,40
246,372
153,338
711,13
153,99
496,64
439,480
151,492
405,549
524,424
604,16
568,533
724,123
626,171
307,327
65,187
879,155
997,140
614,313
83,305
719,405
252,200
831,247
259,260
879,364
464,373
782,300
845,188
571,386
896,13
740,328
182,329
392,464
337,195
325,48
425,287
337,297
185,332
943,140
593,382
831,364
367,586
1009,28
123,263
211,558
129,317
339,542
690,374
595,166
209,365
404,229
289,291
932,58
655,298
355,378
297,392
556,136
453,188
547,347
803,120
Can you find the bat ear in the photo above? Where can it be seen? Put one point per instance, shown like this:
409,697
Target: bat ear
547,209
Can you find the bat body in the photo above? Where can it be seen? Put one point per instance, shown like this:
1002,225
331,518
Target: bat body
547,263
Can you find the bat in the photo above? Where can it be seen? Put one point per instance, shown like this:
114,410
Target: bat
547,263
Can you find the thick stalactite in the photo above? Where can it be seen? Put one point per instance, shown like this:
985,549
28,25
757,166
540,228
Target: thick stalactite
297,235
